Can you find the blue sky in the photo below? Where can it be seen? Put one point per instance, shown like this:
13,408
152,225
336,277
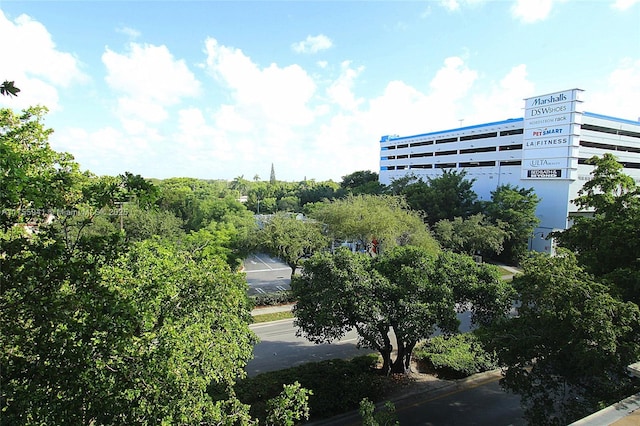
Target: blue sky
220,89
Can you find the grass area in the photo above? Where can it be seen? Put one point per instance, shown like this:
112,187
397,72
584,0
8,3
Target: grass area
275,316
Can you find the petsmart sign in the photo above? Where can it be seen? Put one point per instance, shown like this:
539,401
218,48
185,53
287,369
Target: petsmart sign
551,121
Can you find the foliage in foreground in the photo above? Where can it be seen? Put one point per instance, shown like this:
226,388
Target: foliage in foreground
93,336
383,417
567,350
338,386
454,357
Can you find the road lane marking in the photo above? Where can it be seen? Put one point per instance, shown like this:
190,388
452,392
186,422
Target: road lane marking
262,261
268,270
259,290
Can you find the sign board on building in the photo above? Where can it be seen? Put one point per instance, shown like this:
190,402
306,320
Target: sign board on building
544,174
551,129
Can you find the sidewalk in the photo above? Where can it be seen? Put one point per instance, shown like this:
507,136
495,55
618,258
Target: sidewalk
259,310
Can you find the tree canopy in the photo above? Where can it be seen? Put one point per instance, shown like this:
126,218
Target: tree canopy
474,235
607,243
407,290
444,197
567,349
291,239
382,221
514,210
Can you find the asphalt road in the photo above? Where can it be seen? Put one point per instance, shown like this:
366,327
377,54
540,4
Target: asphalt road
266,275
478,402
279,348
484,404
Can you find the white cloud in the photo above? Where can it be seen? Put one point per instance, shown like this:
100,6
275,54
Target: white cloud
107,149
503,100
455,5
340,91
312,44
273,93
129,32
530,11
624,4
451,5
619,93
38,68
149,79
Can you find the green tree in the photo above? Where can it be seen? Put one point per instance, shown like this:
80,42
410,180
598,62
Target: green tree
408,291
606,244
313,192
291,239
381,221
385,417
290,407
99,337
7,88
362,182
514,210
474,235
445,197
35,179
567,349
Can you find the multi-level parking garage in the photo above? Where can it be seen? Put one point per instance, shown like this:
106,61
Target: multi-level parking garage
545,150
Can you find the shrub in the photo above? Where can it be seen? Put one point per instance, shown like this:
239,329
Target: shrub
454,357
338,386
272,299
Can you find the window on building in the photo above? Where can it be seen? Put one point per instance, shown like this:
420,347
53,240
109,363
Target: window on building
399,157
421,166
404,145
512,132
447,140
478,136
609,147
511,163
400,167
474,150
611,131
510,147
453,152
445,166
477,164
421,143
421,154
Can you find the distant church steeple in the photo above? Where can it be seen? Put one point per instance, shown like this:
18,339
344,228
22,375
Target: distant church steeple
272,179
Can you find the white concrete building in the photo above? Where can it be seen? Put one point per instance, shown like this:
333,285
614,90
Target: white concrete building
544,150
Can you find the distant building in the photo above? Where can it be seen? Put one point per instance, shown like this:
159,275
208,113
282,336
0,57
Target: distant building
545,150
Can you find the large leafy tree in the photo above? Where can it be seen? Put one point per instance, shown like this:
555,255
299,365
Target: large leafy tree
291,239
382,221
361,182
407,291
444,197
607,243
514,210
566,351
474,235
96,337
35,179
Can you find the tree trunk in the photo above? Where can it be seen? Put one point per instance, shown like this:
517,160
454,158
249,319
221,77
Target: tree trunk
386,354
386,361
402,363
